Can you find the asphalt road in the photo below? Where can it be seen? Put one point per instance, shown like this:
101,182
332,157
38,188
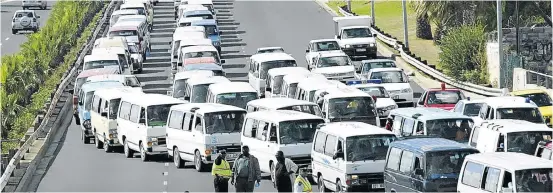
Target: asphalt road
246,25
10,42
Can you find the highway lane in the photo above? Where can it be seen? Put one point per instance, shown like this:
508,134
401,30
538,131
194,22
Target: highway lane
246,26
10,42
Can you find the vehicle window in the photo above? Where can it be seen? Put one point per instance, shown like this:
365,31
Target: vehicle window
507,180
134,49
472,176
368,147
351,107
135,113
526,141
326,46
546,153
211,29
320,142
224,122
408,126
356,33
446,163
541,99
212,54
250,128
527,114
88,101
483,111
533,180
452,129
472,109
491,179
237,99
100,64
459,107
132,81
187,124
298,131
444,97
420,127
376,91
157,115
123,33
266,66
370,65
310,109
474,139
277,83
175,120
406,164
113,107
96,104
330,145
393,159
125,111
264,128
390,76
179,88
333,61
198,122
200,93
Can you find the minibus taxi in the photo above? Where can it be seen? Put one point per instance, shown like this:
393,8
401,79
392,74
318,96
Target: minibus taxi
134,33
266,132
187,8
260,64
212,31
348,104
350,156
384,103
505,173
206,3
412,121
216,69
141,122
108,42
187,43
273,49
236,94
308,86
509,135
103,116
469,107
424,165
544,150
127,80
102,60
142,10
185,22
335,65
80,80
180,37
118,13
179,82
84,106
124,55
203,13
290,83
367,65
270,104
275,76
196,132
177,5
196,61
136,56
196,87
138,18
199,52
509,107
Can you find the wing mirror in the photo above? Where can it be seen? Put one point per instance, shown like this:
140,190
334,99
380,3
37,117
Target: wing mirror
419,172
223,61
268,89
338,155
80,102
104,114
421,102
37,16
71,91
338,37
169,93
307,51
187,98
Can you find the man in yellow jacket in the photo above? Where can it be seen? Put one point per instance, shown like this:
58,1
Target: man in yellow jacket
221,172
302,184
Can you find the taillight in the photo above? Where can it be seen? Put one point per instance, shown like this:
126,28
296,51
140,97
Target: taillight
75,100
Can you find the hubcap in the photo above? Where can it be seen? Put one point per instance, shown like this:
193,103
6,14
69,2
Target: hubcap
142,152
126,148
105,144
197,158
272,172
176,157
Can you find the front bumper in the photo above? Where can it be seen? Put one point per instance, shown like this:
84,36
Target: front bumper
366,183
157,149
361,51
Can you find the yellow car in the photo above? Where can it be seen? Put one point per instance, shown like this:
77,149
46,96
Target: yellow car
542,99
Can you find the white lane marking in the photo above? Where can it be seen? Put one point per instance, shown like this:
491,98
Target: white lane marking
7,1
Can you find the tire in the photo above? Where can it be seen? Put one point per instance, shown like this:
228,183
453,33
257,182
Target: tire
272,168
179,163
321,184
14,31
143,155
77,120
25,8
338,187
99,144
107,147
35,30
140,70
129,153
45,7
374,56
198,164
144,57
84,138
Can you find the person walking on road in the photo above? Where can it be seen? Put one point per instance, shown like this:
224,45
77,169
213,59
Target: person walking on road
221,172
245,171
302,184
284,170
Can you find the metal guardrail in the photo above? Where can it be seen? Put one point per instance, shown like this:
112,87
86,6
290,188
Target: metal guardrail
19,155
481,90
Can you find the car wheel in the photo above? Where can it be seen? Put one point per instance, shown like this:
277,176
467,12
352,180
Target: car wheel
84,138
14,31
179,163
99,144
321,184
198,164
128,151
143,155
107,147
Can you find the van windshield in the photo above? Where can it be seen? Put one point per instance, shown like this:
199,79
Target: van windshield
472,109
123,33
370,65
333,61
100,64
310,109
390,76
211,29
356,33
527,141
203,16
350,107
224,122
132,81
533,180
237,99
88,101
180,86
445,164
277,84
298,131
157,115
213,54
266,66
113,108
527,114
199,93
378,92
368,147
452,129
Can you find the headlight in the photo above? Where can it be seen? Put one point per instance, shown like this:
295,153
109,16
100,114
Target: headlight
372,44
407,90
352,180
391,107
348,46
210,150
86,124
152,141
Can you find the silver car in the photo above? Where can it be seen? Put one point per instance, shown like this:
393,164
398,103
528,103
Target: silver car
25,20
34,3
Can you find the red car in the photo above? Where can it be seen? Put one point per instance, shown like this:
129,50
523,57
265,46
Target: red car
443,98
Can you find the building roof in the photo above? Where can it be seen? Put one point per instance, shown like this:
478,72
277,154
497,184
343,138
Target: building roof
197,80
97,71
282,115
425,144
348,129
192,73
115,93
427,113
510,160
265,57
204,108
231,87
511,125
151,99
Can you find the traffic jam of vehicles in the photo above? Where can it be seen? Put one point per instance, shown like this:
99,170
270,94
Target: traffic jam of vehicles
353,126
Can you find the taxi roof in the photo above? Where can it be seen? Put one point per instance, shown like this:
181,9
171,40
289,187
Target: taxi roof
204,22
115,50
200,2
203,108
276,103
125,12
202,67
198,12
508,102
385,69
340,92
425,144
471,101
101,56
427,113
349,129
108,77
195,42
510,160
201,60
97,71
189,29
314,83
192,7
323,40
115,93
298,77
231,87
132,17
188,35
368,85
126,25
332,53
144,100
281,115
511,125
189,19
265,57
92,86
192,73
209,48
132,4
270,48
197,80
287,70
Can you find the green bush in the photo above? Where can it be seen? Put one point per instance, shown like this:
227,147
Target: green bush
30,76
463,55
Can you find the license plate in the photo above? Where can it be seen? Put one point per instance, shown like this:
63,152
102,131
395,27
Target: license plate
395,97
377,186
232,156
361,50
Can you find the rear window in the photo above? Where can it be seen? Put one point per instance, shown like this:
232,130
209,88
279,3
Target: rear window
23,14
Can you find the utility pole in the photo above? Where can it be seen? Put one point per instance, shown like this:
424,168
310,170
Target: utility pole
405,35
349,6
517,28
500,40
372,13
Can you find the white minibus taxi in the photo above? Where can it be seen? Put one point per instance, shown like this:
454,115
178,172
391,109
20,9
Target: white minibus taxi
108,42
290,83
118,13
196,87
142,10
141,124
266,132
127,80
504,172
509,107
270,104
181,34
186,8
185,22
200,51
196,132
103,116
179,82
308,86
206,3
134,32
236,94
102,60
124,55
260,64
275,77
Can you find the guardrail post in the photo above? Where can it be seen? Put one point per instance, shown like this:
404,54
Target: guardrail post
30,132
36,123
11,153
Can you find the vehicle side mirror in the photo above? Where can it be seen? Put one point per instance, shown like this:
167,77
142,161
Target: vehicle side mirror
187,98
37,16
338,37
179,63
419,172
71,91
268,89
338,155
421,102
375,35
142,121
223,61
169,93
104,114
307,51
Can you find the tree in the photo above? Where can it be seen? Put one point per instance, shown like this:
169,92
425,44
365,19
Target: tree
424,30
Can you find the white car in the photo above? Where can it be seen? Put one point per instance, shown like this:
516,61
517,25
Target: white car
320,45
384,103
269,50
26,4
396,83
25,20
334,65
